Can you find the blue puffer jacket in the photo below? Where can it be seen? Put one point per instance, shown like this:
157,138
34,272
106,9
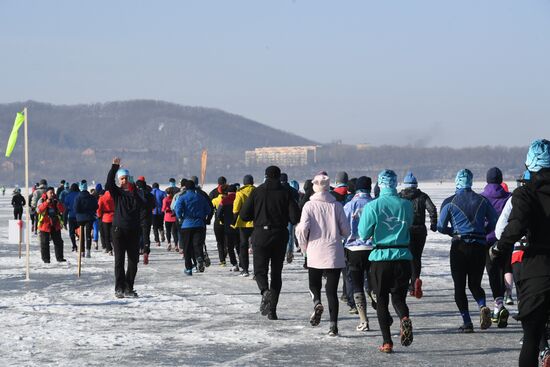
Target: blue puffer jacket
85,207
353,211
470,216
159,197
192,209
68,202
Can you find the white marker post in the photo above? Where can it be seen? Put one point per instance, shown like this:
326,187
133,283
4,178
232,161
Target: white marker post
27,207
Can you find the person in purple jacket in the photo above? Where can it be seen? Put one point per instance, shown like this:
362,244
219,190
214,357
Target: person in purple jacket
496,268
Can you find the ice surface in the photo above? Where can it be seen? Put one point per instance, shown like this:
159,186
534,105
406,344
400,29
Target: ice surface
212,318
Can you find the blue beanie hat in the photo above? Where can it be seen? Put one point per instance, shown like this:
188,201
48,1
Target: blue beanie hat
410,180
83,186
295,185
66,185
387,178
99,188
122,172
464,179
538,156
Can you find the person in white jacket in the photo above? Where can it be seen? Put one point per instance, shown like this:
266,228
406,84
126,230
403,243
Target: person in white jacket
322,227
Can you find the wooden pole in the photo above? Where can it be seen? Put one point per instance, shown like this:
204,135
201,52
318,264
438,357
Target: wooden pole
80,247
20,224
27,207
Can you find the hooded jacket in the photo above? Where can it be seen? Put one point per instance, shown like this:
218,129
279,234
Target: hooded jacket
68,202
530,217
159,197
271,205
353,211
106,208
243,194
169,215
387,220
308,192
225,212
127,203
18,201
37,195
421,202
85,207
498,197
49,215
323,225
192,209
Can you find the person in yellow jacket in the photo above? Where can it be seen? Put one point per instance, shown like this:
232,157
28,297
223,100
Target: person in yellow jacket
217,196
245,228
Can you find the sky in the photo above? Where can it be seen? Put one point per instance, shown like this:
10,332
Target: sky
423,72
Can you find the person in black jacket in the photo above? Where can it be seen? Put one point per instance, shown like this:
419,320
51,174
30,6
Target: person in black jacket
126,222
18,202
271,207
530,217
308,191
421,202
146,218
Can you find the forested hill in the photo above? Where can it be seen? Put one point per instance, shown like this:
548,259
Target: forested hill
161,140
153,134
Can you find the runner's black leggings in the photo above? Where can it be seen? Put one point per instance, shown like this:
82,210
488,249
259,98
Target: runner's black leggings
534,327
331,289
467,265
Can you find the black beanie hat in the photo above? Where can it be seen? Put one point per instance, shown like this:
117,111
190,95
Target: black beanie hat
222,180
189,185
248,180
494,175
273,172
284,177
363,183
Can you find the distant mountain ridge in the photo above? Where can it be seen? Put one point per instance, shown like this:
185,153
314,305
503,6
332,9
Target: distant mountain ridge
152,132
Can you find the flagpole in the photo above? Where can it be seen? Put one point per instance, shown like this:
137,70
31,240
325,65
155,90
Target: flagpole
27,211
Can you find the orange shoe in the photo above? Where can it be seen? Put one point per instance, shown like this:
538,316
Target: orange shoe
418,288
386,348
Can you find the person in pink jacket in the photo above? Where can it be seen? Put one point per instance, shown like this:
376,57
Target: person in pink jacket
322,227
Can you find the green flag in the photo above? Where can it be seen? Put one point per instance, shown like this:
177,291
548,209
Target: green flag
19,119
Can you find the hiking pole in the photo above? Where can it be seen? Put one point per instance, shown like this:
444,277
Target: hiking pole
80,247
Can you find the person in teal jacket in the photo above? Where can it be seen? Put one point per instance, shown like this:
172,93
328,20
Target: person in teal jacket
386,220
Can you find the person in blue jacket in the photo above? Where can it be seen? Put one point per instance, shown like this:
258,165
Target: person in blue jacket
68,202
468,217
358,251
85,207
158,214
387,220
192,209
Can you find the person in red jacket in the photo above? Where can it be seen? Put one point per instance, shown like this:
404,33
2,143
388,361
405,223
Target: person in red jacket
106,212
50,221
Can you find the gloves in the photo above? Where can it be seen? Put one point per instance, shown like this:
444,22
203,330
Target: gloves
433,227
494,252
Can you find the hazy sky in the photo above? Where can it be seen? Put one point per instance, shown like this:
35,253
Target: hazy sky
459,73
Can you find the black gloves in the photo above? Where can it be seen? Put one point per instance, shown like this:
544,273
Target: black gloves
494,252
